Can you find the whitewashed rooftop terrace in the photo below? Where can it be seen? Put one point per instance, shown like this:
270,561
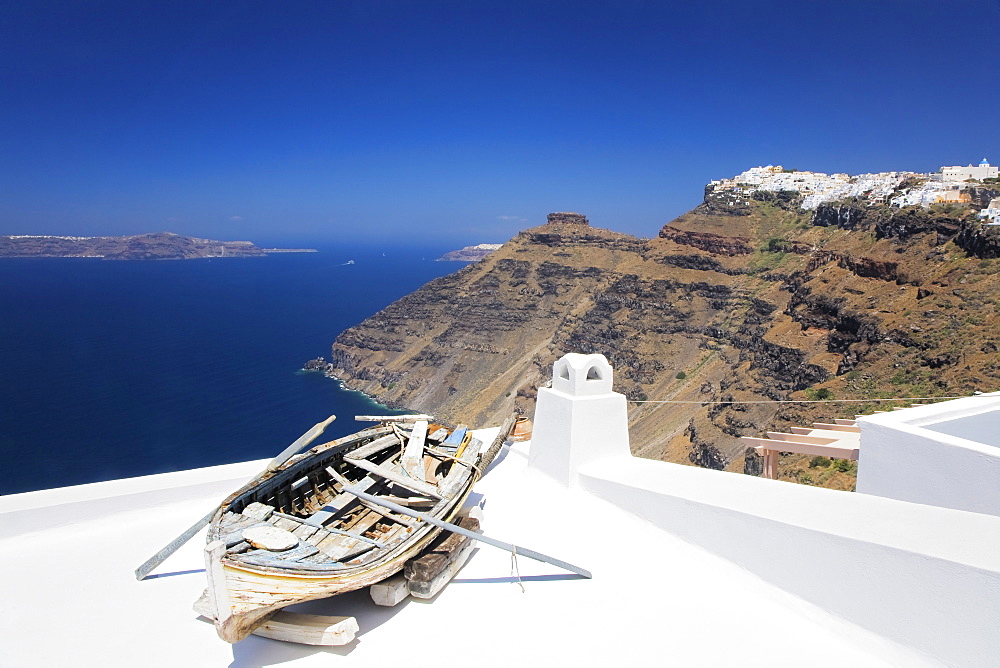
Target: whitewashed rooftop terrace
70,597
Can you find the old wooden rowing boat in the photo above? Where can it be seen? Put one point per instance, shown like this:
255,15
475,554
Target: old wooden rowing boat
295,534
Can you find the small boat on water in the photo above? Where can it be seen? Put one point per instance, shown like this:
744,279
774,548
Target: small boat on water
299,533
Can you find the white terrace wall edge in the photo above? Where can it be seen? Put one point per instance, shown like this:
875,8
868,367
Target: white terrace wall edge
50,508
907,587
901,459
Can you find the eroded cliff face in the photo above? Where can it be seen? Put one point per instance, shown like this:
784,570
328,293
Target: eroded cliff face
762,303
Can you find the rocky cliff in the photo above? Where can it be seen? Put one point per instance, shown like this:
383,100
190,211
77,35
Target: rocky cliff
728,306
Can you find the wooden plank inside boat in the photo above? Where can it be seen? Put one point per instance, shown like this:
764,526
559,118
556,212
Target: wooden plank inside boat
418,486
413,455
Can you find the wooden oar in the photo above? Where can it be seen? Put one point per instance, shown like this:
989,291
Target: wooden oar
454,528
289,452
302,441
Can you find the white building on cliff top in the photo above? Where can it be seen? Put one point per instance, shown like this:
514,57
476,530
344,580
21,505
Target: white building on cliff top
691,566
984,170
817,187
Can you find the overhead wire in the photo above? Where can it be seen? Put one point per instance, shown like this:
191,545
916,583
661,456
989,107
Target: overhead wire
798,401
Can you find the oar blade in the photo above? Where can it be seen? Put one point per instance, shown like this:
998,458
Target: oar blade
161,556
301,442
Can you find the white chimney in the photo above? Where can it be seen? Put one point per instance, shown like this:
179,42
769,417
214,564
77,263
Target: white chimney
579,419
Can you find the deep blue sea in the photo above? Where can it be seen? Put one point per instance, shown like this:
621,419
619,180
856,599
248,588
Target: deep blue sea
112,369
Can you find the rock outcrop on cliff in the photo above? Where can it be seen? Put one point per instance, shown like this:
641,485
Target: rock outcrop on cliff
723,309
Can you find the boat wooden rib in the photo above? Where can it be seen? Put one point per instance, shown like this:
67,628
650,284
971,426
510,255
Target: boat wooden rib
294,534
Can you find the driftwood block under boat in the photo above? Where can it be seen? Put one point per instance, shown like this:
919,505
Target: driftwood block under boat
431,588
433,561
390,592
426,570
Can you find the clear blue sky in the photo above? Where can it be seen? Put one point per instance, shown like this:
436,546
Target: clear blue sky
465,120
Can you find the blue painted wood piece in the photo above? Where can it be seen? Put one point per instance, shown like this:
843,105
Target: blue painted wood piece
455,439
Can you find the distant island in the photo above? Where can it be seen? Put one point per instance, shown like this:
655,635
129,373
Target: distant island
156,246
469,253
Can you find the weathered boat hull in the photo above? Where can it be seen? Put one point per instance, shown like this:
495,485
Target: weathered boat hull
255,595
337,542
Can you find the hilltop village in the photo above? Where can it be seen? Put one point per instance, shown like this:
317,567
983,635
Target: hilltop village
899,189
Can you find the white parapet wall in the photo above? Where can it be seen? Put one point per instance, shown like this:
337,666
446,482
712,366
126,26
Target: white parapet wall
925,577
945,454
48,509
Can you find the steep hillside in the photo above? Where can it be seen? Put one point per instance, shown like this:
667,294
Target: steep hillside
733,302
